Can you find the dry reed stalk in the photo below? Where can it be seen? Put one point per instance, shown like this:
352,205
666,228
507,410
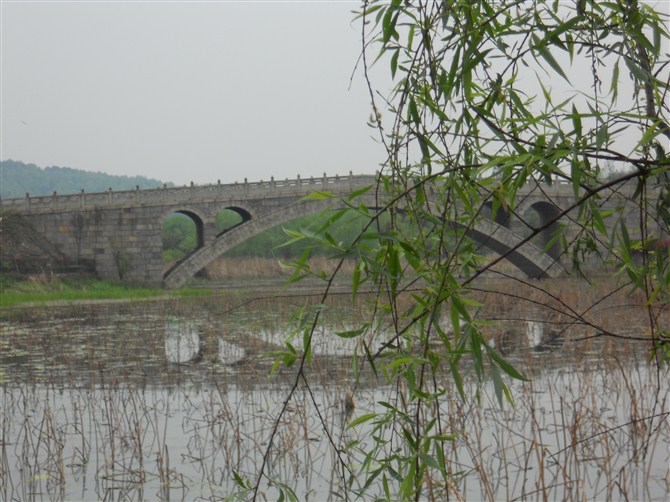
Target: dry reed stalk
561,433
5,473
537,446
476,450
54,453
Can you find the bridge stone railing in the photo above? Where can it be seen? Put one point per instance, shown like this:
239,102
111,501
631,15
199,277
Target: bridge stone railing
198,193
191,193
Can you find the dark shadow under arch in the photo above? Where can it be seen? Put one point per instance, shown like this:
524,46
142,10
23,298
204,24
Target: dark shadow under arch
540,215
199,231
240,211
502,217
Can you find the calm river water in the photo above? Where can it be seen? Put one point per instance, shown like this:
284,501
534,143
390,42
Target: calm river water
172,399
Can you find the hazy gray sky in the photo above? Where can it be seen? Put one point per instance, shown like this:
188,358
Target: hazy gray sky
185,91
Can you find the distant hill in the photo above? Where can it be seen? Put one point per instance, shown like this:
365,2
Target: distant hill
17,179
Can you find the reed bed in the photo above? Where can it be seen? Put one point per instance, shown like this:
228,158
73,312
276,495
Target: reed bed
95,405
599,434
256,266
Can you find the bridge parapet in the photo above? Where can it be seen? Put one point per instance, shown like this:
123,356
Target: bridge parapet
190,193
339,185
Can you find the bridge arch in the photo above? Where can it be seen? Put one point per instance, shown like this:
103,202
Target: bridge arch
192,264
527,257
196,217
502,217
242,213
539,215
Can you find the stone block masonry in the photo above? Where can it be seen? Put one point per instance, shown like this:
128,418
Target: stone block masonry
121,233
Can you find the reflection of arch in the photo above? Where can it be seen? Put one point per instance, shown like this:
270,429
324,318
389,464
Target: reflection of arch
527,257
537,216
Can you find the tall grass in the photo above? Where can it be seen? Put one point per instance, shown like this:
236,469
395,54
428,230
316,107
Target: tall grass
46,288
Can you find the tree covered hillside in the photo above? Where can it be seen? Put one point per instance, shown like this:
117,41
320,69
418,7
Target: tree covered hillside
17,179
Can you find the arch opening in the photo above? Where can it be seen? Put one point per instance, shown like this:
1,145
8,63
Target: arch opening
262,253
183,233
537,216
230,217
497,214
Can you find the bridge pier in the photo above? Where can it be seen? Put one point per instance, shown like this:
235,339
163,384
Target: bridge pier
121,244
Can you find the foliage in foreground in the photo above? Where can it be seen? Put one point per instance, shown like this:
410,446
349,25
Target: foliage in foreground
490,99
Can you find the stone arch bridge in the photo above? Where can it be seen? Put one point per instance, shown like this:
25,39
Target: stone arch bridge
121,232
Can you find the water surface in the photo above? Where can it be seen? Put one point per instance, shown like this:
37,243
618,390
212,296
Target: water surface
172,399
